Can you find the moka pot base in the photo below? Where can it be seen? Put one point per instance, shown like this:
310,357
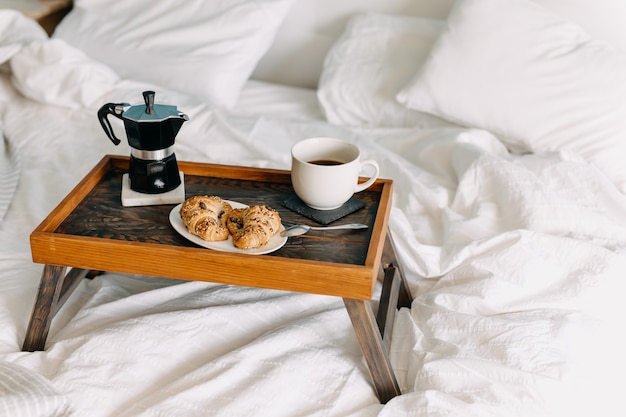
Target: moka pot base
132,198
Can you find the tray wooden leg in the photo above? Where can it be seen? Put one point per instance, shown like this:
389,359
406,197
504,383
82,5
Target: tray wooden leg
374,333
373,347
390,260
388,305
54,289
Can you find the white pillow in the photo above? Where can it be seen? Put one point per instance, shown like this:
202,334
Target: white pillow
537,81
17,30
72,79
23,393
204,48
367,66
602,19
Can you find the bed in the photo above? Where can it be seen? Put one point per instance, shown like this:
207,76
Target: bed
500,123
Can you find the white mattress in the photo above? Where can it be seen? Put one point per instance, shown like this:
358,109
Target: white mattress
516,263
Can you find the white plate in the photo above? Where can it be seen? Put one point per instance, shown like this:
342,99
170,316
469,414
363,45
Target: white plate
276,242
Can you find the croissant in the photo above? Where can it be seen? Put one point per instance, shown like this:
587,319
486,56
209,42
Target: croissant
205,217
252,227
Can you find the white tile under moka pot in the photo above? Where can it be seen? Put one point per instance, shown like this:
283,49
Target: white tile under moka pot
132,198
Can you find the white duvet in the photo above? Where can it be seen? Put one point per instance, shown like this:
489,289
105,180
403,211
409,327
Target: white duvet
516,263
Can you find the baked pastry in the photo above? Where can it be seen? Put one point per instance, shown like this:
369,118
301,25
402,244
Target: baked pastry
205,217
252,227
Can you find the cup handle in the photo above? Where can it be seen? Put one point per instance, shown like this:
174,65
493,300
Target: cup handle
370,181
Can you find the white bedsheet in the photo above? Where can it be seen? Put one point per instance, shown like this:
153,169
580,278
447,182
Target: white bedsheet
9,174
516,263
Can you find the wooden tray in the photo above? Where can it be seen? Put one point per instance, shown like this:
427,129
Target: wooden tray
90,229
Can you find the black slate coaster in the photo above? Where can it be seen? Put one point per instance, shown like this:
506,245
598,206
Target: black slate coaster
323,216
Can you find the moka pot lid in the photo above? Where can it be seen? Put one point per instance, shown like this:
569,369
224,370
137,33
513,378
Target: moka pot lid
151,112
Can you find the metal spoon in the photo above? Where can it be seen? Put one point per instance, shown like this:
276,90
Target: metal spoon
300,229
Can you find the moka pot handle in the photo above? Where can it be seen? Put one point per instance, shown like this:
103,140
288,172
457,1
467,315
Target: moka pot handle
116,109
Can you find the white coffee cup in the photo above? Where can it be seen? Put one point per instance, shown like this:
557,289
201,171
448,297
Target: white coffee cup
325,172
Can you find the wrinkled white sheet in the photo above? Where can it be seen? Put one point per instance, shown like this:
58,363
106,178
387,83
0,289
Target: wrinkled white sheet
9,174
516,263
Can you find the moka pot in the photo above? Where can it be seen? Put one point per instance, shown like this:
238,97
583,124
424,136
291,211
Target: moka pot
151,130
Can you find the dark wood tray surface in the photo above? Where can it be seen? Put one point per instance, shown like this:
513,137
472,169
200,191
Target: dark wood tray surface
101,214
